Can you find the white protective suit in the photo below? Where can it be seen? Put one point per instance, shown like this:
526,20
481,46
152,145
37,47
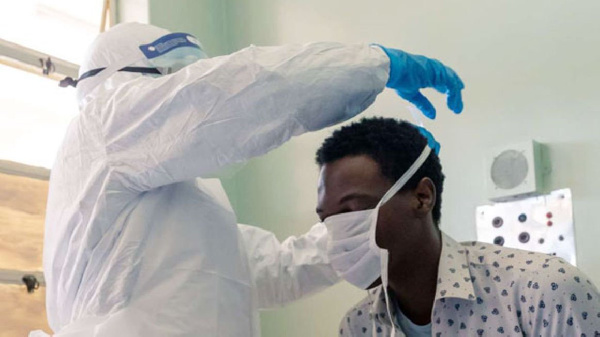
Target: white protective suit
136,244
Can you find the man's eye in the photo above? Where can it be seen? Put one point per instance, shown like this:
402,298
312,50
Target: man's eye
361,206
346,210
343,210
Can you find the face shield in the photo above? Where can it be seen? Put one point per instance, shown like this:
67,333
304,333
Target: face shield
173,52
166,55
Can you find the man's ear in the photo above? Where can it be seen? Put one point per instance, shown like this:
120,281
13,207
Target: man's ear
426,195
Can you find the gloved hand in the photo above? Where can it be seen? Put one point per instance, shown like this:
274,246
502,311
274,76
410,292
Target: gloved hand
409,73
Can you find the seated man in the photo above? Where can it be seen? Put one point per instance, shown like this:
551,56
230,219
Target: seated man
436,286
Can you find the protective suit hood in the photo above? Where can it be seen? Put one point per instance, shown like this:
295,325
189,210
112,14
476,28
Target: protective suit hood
118,42
126,45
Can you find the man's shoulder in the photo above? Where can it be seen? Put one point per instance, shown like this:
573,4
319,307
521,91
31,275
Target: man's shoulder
530,270
494,256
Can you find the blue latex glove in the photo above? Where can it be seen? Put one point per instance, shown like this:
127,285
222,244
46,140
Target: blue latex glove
433,144
409,73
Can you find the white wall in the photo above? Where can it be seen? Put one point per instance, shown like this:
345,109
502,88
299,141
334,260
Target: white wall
531,71
130,10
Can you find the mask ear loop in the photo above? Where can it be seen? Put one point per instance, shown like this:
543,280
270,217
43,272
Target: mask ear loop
383,252
406,176
373,299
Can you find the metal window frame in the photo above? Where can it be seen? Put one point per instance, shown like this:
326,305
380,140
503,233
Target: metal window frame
23,170
11,276
33,61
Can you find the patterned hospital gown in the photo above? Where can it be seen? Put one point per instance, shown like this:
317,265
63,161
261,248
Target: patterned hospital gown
488,290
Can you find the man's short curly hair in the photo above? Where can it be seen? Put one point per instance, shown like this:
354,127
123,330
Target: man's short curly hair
393,144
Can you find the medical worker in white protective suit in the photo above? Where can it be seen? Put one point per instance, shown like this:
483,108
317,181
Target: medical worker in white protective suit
137,243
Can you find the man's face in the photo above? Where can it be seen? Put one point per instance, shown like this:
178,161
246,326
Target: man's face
355,183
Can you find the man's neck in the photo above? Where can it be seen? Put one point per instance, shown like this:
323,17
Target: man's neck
413,275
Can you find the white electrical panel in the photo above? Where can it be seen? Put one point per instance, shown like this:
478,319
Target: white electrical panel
515,171
542,224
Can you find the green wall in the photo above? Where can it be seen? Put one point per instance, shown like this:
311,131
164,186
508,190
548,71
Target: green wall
205,19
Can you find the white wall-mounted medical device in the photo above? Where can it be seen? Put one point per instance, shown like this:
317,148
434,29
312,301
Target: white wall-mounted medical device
516,171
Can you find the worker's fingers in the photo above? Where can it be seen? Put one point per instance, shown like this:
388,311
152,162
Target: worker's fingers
419,101
446,81
454,101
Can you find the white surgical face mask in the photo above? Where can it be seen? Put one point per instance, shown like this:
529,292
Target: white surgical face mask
352,253
351,247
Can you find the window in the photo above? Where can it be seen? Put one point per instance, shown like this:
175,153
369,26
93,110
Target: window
60,28
34,115
34,111
22,210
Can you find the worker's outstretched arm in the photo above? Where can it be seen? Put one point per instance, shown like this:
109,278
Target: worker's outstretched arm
227,109
289,270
